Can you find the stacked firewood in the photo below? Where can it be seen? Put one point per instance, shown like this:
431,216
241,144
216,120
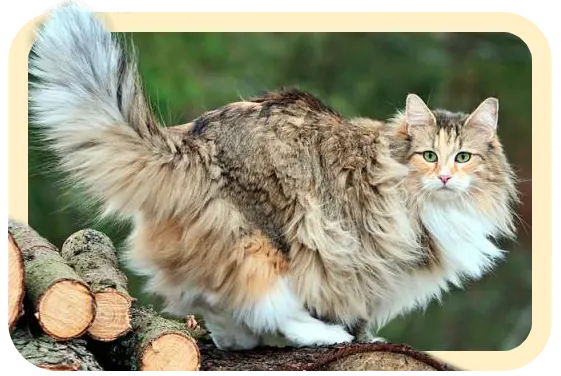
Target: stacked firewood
70,309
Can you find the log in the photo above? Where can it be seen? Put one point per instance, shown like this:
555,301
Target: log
136,338
62,302
154,344
16,289
92,254
348,357
44,352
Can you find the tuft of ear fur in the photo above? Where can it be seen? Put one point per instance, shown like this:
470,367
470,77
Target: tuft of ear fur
417,113
485,118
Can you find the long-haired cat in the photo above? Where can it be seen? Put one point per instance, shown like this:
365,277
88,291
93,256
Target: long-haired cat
275,217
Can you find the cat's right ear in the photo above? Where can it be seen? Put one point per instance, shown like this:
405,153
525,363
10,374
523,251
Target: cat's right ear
485,117
417,113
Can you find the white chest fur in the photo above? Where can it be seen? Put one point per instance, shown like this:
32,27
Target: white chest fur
462,235
466,252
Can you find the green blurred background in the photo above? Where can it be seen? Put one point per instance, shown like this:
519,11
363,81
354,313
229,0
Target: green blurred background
366,74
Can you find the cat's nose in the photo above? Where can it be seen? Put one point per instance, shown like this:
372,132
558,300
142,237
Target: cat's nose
444,178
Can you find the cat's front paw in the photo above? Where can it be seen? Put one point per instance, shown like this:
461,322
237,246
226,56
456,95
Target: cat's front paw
336,335
234,340
319,334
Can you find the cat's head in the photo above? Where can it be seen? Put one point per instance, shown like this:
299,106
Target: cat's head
454,155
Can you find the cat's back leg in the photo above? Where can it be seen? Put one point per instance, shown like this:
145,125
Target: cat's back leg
270,305
234,269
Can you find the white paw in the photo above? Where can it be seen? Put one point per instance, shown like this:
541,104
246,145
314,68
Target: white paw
317,334
239,340
335,334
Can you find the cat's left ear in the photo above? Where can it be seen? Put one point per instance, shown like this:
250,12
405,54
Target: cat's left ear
485,118
417,114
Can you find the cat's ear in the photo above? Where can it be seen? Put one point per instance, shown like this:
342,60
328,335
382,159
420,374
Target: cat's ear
417,113
485,118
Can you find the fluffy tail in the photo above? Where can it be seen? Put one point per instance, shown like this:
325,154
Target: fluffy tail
88,102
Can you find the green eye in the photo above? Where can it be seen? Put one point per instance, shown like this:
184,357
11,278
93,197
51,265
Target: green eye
430,156
463,157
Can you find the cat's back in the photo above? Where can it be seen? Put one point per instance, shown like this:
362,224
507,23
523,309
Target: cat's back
282,113
288,137
275,133
281,148
270,149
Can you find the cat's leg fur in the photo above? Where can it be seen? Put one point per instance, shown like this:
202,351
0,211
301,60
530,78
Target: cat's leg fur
280,311
227,334
268,316
303,330
364,333
274,340
278,319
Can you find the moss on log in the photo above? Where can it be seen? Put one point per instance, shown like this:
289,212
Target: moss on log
154,344
135,338
44,352
92,254
62,302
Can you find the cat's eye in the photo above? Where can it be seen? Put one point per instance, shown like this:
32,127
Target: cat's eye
463,157
430,156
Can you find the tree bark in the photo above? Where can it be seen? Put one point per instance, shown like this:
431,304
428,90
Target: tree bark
63,303
92,254
16,288
349,357
44,352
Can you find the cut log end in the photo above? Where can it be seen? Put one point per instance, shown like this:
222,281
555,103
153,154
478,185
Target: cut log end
66,310
112,318
171,352
379,361
16,278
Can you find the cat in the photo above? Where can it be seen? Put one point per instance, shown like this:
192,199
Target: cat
275,218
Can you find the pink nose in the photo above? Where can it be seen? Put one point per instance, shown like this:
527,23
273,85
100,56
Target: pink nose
444,178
